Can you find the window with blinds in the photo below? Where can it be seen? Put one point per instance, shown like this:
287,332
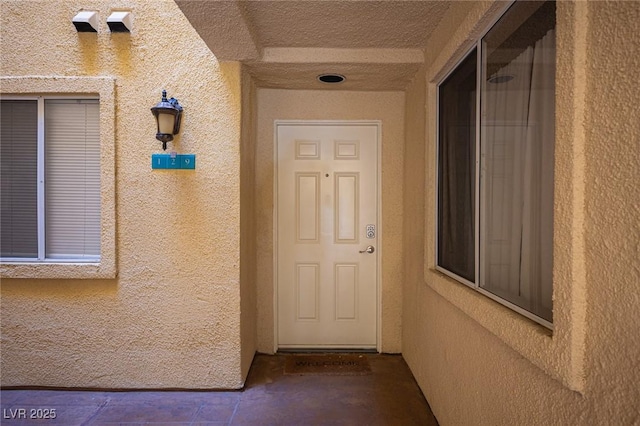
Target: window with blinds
19,179
50,154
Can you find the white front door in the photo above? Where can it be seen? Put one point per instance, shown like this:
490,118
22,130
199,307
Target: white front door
327,216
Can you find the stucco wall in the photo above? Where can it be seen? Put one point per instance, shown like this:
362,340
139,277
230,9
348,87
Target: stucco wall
388,107
413,223
477,362
248,238
171,317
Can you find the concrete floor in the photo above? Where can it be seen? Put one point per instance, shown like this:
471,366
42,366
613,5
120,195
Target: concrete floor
388,396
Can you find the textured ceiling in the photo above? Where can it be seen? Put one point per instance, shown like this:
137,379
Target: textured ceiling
343,24
377,45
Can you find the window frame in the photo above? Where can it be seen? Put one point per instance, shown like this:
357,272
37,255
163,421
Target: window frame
41,185
453,68
103,89
479,51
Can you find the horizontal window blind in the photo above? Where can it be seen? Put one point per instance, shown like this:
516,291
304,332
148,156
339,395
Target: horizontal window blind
72,179
19,178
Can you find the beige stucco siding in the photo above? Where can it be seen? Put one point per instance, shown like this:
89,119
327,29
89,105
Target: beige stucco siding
183,296
171,317
248,237
476,361
388,107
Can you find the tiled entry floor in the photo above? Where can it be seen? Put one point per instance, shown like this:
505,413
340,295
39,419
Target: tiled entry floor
388,396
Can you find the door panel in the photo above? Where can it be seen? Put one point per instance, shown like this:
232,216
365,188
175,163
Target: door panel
327,196
307,199
346,209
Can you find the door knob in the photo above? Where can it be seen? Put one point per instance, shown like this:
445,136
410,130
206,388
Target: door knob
369,249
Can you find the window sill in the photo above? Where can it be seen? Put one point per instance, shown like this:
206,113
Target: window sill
549,350
57,270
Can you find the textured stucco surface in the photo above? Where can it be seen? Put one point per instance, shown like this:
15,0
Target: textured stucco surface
237,30
343,24
181,310
365,69
388,107
222,25
248,238
360,39
562,355
171,317
477,362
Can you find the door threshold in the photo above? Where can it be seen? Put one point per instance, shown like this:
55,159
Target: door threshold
285,351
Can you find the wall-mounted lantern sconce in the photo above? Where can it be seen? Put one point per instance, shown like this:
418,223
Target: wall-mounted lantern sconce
86,21
119,22
168,115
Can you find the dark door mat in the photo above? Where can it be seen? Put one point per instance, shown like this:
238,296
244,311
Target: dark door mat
327,364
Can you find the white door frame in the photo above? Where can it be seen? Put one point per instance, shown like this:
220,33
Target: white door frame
378,124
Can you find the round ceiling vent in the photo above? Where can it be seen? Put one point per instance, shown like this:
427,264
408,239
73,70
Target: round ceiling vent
331,78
